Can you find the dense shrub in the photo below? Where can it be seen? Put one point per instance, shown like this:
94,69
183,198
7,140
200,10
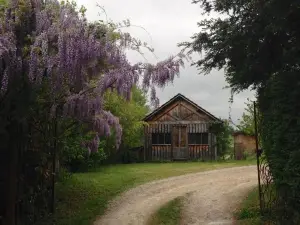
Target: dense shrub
223,132
279,105
76,158
130,113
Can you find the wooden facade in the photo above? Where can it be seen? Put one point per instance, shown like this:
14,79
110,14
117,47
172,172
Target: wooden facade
243,144
179,130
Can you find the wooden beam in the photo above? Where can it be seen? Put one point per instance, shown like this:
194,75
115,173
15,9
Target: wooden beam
182,122
215,147
164,113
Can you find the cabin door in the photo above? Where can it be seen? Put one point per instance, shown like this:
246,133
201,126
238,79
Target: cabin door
180,145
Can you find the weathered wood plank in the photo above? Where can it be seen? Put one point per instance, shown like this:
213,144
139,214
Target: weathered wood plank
161,152
215,146
179,122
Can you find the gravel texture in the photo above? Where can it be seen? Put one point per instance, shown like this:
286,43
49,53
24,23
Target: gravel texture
211,198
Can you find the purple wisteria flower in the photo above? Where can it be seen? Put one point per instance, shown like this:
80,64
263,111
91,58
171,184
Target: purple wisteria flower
79,64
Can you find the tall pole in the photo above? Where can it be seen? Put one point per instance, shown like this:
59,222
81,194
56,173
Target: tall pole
257,157
54,155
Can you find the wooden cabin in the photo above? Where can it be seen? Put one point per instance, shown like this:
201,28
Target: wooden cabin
179,130
244,144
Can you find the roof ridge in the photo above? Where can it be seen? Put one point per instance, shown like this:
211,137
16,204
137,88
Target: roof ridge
174,98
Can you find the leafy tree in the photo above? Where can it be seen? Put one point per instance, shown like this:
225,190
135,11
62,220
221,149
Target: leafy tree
79,60
3,4
246,123
131,114
223,132
252,40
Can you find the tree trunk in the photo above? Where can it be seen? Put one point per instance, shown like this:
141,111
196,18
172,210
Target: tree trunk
11,187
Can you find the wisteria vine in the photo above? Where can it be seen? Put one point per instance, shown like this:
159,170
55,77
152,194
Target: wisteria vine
80,60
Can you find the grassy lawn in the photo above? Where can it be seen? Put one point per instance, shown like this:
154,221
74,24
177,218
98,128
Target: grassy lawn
169,214
85,196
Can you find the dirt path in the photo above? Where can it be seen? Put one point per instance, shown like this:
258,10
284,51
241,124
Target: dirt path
212,197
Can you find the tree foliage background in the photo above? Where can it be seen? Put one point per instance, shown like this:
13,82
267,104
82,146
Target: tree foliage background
224,139
258,43
130,113
246,123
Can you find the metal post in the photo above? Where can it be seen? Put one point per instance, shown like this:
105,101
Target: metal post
257,157
145,142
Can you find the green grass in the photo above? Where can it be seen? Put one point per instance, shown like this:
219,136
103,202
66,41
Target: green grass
169,214
249,213
85,196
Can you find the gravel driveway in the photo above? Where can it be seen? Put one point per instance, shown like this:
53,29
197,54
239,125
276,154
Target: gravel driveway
211,197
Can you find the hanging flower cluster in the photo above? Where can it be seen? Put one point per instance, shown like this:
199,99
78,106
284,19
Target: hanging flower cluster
48,40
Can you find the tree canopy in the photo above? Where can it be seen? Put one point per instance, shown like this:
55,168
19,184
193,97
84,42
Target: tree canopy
246,123
130,113
52,42
251,39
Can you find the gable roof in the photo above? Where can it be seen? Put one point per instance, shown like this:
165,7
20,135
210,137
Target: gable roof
176,98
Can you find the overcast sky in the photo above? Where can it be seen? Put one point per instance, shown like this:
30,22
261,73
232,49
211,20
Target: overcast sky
170,22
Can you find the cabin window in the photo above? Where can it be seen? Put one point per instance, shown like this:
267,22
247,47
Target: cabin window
198,138
161,138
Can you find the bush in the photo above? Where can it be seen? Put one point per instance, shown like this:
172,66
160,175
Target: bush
77,158
279,106
224,138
